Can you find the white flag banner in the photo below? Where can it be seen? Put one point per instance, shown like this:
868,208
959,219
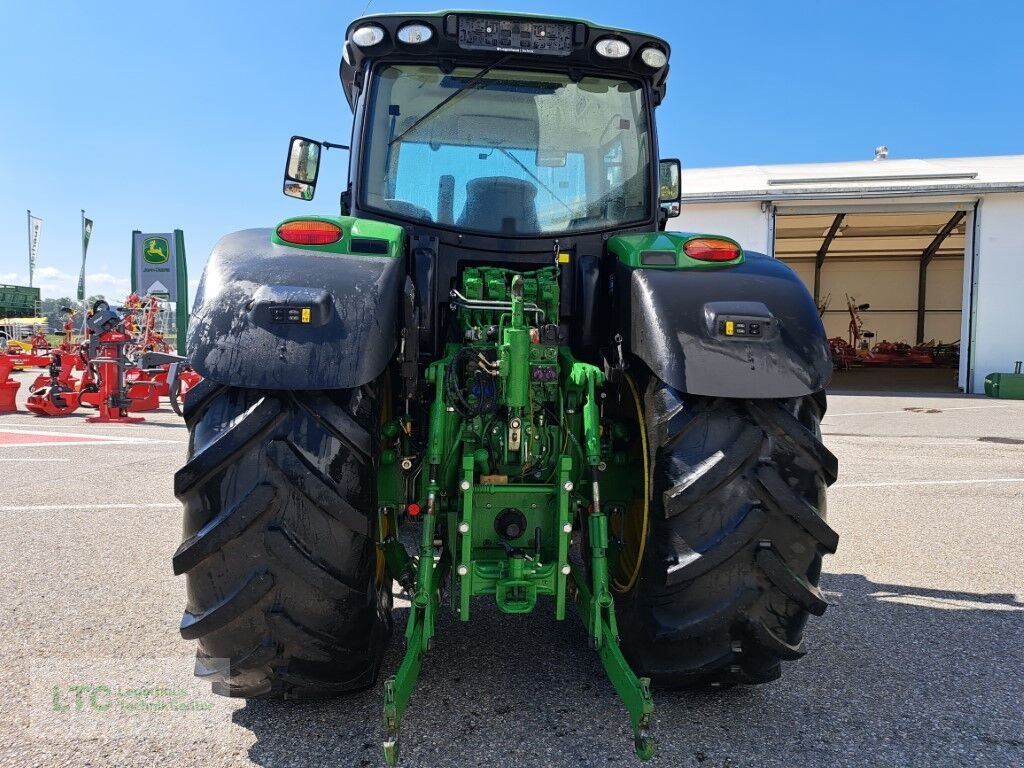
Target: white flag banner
35,226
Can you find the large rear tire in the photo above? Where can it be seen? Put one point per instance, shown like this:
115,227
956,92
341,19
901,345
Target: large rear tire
285,593
737,533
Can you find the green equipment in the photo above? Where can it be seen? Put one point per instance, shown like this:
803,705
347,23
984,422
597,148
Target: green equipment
494,377
1006,385
18,301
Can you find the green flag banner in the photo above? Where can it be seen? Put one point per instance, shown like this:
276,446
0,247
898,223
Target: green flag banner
86,234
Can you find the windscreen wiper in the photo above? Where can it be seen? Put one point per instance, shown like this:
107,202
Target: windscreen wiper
472,83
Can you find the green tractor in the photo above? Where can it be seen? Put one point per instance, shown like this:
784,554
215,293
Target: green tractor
496,354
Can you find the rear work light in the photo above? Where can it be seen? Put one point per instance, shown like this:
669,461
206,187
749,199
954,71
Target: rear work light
711,249
367,35
612,48
654,58
310,232
415,33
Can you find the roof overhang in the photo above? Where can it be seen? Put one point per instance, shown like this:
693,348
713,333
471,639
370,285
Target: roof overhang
904,178
840,236
776,194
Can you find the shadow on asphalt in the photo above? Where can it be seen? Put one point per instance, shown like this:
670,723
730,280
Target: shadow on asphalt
895,675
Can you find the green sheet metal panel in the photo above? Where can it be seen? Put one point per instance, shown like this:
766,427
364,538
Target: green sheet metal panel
1009,386
18,301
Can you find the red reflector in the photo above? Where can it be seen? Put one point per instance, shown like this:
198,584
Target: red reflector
413,510
309,232
711,249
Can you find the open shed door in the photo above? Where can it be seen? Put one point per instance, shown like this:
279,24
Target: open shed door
890,283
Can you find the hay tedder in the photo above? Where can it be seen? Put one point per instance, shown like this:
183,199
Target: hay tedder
859,351
497,354
124,366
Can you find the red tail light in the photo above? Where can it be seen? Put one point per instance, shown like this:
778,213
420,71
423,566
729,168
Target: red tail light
711,249
310,232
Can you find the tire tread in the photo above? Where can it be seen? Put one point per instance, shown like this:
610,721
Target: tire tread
279,552
731,569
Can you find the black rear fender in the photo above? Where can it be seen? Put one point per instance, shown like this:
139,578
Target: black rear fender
775,346
277,317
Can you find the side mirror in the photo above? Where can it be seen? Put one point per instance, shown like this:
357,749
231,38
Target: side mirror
302,168
670,185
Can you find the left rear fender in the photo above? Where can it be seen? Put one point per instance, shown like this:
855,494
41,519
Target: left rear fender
341,332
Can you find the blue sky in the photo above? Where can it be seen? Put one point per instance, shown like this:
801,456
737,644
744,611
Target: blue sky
157,116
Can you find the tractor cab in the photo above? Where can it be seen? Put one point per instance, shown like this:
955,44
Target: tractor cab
481,133
505,127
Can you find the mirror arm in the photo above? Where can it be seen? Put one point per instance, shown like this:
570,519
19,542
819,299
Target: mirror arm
329,145
662,218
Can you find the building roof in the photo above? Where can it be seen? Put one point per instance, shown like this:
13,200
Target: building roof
870,178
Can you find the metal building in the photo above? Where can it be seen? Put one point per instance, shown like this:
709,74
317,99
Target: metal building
935,247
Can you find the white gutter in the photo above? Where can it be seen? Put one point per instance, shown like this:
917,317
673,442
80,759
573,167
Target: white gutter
878,177
845,193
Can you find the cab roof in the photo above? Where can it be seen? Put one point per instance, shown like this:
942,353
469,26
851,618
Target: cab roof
517,39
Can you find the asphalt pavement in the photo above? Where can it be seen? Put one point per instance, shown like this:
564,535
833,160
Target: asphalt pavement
919,661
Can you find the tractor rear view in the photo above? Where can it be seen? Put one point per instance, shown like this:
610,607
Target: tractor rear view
496,354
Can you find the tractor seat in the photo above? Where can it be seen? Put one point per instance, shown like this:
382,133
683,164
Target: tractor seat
407,209
500,204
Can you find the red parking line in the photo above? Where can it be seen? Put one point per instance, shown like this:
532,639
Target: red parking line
25,438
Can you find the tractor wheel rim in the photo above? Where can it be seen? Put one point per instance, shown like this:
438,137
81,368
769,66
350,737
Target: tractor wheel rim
634,525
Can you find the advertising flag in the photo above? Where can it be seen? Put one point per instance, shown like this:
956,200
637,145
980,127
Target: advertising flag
86,234
35,226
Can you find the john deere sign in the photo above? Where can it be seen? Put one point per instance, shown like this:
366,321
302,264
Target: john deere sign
158,269
156,250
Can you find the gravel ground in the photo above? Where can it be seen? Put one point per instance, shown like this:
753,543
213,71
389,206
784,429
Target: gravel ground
919,660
